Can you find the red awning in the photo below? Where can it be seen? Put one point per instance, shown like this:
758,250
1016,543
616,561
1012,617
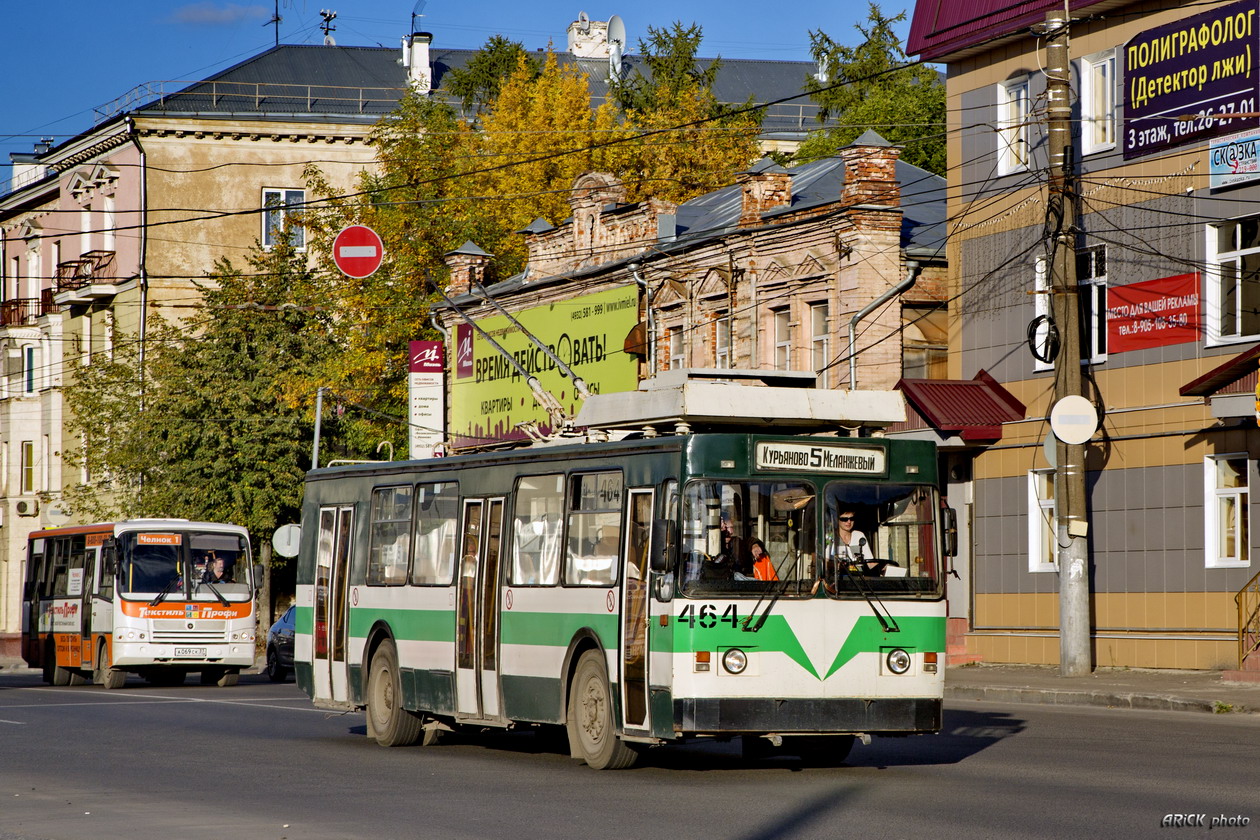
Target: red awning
1232,372
941,27
973,408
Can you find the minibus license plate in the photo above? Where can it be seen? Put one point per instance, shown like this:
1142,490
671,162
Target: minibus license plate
194,652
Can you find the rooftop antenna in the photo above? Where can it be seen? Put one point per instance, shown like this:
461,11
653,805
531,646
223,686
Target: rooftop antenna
275,21
416,12
329,17
616,46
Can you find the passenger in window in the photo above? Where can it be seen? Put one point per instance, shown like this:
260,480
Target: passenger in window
762,565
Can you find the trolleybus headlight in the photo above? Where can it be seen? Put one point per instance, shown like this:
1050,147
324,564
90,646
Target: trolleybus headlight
898,661
734,661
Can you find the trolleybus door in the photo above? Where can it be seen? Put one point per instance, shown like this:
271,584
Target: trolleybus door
477,611
635,651
332,567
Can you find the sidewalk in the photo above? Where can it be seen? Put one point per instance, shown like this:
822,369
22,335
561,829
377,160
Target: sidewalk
1130,688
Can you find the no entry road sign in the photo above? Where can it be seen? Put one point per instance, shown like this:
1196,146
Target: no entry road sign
358,251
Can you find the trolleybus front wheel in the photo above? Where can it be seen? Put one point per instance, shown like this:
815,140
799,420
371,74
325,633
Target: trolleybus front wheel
592,731
388,722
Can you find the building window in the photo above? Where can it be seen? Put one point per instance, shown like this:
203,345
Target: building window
1098,102
925,342
1233,287
85,230
1042,524
1013,113
1227,537
1091,274
109,225
722,342
30,364
820,343
27,477
278,206
676,353
783,339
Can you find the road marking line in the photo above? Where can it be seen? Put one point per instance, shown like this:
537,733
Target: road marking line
14,722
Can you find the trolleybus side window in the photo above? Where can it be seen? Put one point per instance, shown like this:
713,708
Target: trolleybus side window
390,545
78,563
723,519
537,522
594,529
437,523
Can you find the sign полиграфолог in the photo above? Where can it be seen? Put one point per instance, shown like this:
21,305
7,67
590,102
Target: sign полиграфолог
1203,65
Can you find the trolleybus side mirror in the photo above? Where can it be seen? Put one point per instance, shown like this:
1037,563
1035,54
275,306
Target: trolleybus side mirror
664,541
949,519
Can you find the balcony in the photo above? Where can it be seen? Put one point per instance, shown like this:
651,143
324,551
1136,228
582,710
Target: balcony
26,312
89,278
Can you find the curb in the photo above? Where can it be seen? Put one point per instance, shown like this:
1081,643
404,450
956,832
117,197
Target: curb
1054,697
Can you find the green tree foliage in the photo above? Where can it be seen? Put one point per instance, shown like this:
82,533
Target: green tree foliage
477,83
862,90
214,430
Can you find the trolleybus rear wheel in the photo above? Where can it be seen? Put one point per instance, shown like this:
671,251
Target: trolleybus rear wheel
388,721
592,731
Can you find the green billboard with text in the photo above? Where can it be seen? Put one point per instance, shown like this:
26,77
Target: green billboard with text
490,397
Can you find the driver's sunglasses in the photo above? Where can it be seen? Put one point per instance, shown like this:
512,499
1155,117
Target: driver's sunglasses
847,518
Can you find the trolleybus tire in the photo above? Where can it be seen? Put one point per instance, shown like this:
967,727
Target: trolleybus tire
592,730
388,722
106,676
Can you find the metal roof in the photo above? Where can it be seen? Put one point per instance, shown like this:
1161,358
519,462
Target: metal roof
975,408
948,29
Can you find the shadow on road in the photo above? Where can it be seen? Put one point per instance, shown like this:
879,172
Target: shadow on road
964,734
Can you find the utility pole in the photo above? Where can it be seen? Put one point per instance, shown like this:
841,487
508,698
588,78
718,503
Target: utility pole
1072,524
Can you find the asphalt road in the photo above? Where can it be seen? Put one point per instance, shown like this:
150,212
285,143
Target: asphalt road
257,761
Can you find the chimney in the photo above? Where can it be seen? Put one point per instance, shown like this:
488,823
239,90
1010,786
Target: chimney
416,60
588,38
870,172
765,186
468,265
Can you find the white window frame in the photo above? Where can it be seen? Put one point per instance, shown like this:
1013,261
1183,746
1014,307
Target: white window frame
1043,525
722,341
1013,144
1214,500
1098,102
1214,304
1093,298
275,203
677,349
820,342
782,338
1041,306
26,474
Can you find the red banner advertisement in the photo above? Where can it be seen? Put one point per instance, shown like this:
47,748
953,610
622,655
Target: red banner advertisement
1156,313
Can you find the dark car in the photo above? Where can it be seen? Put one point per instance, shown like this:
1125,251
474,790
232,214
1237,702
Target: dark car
280,647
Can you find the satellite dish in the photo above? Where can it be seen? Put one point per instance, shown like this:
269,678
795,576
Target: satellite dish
584,22
616,45
417,11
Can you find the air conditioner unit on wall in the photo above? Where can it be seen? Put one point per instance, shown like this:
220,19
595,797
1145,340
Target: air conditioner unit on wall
27,507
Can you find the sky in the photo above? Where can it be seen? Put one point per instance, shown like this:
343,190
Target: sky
64,58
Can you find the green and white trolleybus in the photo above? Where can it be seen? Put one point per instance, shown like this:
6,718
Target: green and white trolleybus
661,587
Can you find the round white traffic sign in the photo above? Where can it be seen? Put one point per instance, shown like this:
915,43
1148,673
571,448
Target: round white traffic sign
1073,419
358,251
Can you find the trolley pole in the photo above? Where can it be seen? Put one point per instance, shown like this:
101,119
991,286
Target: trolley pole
1072,524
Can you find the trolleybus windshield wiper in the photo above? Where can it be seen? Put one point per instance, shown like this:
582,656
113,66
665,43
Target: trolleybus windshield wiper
886,619
778,591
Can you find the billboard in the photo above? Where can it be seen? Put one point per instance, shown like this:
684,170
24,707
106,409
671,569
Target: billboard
426,398
490,397
1204,66
1235,159
1155,313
